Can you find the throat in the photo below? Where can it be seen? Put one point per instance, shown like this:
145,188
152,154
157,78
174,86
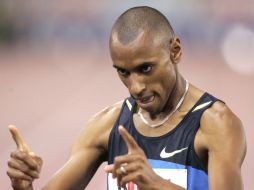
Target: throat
162,118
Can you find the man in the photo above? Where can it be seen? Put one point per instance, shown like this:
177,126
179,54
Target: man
168,135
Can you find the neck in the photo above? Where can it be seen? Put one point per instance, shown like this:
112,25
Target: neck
175,95
173,99
173,104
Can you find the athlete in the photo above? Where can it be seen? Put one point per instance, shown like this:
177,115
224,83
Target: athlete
168,134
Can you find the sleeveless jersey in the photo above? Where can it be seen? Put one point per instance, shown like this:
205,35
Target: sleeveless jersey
172,155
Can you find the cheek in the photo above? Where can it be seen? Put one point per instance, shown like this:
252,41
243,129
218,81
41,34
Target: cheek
163,83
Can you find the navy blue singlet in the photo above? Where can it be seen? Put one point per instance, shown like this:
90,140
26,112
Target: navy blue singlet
172,155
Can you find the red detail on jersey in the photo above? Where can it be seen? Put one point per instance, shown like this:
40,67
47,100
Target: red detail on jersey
130,186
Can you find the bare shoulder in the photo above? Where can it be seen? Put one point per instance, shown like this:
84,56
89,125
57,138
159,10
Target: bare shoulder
219,118
222,129
96,132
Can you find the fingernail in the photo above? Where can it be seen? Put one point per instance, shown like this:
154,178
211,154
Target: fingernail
106,168
11,126
32,154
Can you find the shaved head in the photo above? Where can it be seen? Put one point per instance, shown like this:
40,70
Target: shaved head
135,21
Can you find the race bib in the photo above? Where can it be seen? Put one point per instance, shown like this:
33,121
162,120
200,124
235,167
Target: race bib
176,176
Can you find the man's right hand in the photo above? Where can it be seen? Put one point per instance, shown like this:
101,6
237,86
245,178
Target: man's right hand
23,166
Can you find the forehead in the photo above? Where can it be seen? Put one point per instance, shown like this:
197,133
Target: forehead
142,49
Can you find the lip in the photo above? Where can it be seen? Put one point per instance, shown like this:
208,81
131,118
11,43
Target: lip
145,101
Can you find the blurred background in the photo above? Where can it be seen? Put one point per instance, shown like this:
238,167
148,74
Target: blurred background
56,72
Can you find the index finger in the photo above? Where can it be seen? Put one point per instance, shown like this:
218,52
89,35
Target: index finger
21,145
128,139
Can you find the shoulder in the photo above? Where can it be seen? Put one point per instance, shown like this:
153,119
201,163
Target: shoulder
107,116
220,118
220,126
96,132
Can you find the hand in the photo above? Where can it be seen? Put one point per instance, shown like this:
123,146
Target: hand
134,167
23,166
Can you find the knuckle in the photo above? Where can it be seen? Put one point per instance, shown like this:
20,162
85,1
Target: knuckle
117,160
8,173
9,163
139,176
24,155
18,155
34,174
33,165
140,158
13,154
37,176
143,159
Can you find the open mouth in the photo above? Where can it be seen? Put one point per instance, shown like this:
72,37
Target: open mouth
146,100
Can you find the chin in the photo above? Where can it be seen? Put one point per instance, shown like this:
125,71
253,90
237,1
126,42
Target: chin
152,107
151,110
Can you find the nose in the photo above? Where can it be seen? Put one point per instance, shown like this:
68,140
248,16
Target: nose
136,85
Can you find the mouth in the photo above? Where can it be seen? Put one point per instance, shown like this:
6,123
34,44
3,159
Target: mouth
145,100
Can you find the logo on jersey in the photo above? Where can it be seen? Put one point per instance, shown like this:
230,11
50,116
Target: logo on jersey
165,154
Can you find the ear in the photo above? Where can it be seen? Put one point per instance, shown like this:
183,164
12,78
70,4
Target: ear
175,50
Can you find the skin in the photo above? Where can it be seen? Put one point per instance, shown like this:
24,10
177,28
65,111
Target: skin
24,165
150,73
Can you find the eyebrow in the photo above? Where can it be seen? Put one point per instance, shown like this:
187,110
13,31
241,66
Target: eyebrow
137,67
117,67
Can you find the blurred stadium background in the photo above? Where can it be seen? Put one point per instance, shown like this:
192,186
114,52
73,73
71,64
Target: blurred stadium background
55,68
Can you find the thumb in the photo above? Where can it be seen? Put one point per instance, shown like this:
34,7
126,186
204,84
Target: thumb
109,168
21,145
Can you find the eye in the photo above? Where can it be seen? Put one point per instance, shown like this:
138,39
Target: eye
123,72
145,68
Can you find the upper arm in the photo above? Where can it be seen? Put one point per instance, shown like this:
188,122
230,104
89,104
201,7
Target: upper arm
225,141
88,152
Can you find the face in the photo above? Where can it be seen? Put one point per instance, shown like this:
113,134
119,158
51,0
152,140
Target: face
146,70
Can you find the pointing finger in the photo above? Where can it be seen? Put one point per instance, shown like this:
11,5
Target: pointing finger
21,145
129,140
